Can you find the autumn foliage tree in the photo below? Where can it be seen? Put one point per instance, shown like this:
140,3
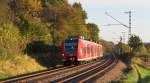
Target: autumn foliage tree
48,21
93,31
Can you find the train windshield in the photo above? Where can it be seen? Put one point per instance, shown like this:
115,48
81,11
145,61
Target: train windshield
71,45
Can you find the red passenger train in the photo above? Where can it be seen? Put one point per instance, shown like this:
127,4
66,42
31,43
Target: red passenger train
76,50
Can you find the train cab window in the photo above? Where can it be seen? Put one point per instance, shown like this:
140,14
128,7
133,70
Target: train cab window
71,45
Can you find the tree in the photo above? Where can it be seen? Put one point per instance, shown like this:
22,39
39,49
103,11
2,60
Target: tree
148,50
93,31
65,19
122,48
134,41
4,11
48,20
123,52
79,8
142,49
107,46
139,51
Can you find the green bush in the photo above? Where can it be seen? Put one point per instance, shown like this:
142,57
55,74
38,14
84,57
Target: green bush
9,40
140,51
33,30
107,46
148,51
38,32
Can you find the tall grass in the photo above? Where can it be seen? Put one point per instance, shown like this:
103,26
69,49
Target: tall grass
145,74
9,41
132,77
12,60
20,64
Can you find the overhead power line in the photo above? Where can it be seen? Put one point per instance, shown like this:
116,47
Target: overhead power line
116,20
120,23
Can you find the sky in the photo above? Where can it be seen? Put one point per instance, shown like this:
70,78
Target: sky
140,17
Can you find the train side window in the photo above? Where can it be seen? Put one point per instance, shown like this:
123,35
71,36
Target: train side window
84,49
91,50
95,49
99,49
88,50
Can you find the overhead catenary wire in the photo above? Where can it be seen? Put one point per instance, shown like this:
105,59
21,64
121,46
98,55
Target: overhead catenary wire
120,23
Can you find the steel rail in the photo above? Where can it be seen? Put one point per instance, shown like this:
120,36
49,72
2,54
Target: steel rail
43,74
35,74
81,77
100,73
72,78
60,74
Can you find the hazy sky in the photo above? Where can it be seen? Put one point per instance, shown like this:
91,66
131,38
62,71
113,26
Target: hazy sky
140,17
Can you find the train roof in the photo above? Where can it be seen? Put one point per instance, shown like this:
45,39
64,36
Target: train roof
76,38
91,42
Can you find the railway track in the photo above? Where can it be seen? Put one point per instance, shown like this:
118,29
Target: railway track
51,74
81,73
90,75
28,76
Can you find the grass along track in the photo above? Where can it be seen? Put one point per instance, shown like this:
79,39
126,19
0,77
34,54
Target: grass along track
139,74
26,76
144,74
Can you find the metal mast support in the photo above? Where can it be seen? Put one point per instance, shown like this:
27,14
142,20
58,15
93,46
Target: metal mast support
129,12
130,24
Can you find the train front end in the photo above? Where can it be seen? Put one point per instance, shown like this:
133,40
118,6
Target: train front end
69,52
